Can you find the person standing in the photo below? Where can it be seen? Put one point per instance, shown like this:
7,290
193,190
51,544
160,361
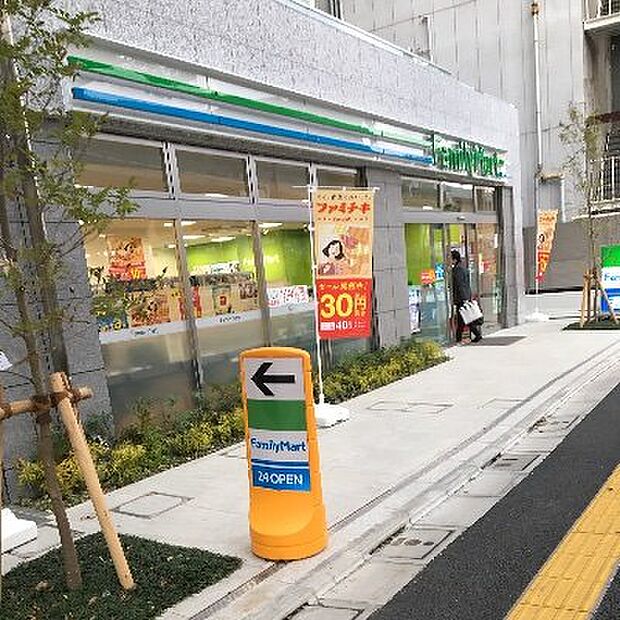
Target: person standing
461,292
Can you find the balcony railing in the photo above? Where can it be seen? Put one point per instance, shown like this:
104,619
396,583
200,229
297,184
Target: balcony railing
607,8
607,185
602,15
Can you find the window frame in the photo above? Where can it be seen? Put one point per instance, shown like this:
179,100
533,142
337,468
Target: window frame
337,169
439,199
166,173
302,202
174,147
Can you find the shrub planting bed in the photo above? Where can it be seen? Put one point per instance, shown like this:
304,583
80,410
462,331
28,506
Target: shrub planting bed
366,372
150,445
602,324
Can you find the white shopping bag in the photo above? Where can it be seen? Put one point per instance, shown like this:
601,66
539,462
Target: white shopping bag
470,312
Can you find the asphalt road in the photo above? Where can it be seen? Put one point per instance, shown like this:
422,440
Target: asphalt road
482,574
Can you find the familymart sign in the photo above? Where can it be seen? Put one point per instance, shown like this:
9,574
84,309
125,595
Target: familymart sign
469,158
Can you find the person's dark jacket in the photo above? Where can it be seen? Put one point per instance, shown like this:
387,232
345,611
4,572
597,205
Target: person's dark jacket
461,288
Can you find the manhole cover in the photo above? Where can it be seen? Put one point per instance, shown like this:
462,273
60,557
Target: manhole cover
151,505
415,543
405,407
514,462
499,341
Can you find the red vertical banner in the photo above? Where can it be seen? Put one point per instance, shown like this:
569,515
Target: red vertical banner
343,227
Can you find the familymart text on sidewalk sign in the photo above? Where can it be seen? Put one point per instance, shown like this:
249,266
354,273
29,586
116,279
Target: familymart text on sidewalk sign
343,226
287,515
610,276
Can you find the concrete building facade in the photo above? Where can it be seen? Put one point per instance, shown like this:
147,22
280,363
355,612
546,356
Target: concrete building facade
490,45
221,112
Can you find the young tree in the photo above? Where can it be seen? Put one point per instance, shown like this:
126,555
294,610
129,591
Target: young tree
40,146
589,173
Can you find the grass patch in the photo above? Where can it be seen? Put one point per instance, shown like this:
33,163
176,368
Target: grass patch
602,324
164,575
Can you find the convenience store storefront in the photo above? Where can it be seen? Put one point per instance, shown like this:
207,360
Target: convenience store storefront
222,227
444,216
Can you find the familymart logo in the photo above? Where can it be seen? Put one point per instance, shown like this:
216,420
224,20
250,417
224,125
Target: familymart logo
470,158
278,446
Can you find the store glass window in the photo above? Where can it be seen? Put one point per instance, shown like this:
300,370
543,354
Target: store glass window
420,194
458,198
461,237
211,175
145,345
426,277
287,260
282,181
333,177
113,163
220,259
485,199
489,274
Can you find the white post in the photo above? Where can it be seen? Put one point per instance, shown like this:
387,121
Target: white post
317,319
535,10
325,413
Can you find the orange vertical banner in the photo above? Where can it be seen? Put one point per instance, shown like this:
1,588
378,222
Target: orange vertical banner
343,229
545,233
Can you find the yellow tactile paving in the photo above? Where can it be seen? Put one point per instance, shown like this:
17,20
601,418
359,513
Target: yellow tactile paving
574,577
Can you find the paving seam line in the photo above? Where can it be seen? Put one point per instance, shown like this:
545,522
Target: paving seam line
392,527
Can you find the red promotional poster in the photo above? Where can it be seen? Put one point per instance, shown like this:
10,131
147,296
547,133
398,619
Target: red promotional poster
428,276
345,308
126,258
343,245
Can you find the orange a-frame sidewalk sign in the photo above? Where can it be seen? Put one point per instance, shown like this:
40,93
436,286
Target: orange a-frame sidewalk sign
287,514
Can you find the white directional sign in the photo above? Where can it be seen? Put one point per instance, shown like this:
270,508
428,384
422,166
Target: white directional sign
274,379
277,425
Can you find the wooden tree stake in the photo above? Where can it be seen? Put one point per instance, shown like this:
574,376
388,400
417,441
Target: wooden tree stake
61,392
584,304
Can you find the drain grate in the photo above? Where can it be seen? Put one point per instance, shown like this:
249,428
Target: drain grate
499,341
514,462
415,543
238,452
558,425
405,407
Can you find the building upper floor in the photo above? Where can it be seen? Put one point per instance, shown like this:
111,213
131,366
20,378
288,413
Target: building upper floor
279,53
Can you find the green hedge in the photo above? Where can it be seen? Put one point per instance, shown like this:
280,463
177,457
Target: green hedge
368,371
150,446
